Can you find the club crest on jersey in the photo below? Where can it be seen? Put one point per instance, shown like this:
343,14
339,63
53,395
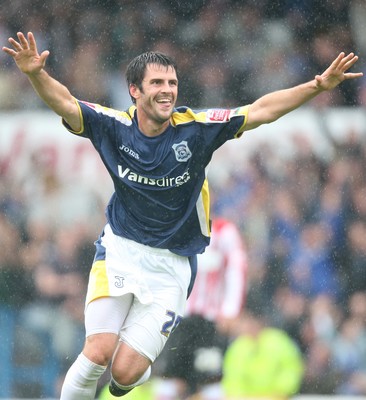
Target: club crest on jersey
182,152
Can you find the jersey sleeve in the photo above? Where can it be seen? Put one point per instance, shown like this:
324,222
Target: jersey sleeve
218,125
97,120
235,119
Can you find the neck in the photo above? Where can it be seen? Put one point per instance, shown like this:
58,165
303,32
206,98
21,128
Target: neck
152,128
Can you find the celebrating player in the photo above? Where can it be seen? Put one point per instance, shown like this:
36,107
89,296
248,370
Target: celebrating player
158,217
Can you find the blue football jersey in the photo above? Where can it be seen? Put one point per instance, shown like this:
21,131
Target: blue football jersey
161,196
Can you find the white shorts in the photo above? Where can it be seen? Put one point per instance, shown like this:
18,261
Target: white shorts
154,285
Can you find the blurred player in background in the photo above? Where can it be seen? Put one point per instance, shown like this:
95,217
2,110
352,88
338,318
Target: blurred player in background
158,217
191,362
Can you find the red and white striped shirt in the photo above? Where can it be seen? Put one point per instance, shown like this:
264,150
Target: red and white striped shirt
220,286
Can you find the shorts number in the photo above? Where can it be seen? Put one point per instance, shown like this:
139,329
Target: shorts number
170,325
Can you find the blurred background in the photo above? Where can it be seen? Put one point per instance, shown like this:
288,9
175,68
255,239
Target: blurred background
296,189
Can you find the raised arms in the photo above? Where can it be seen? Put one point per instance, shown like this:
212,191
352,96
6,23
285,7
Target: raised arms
52,92
266,109
274,105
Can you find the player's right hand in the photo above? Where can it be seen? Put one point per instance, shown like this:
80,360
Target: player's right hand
25,54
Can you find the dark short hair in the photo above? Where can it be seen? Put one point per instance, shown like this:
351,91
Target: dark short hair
136,69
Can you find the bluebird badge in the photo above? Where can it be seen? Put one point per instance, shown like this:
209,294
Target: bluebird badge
182,152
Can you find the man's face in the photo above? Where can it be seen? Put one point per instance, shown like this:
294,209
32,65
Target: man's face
157,98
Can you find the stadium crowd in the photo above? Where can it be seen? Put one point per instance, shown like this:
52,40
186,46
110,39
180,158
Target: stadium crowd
304,221
226,50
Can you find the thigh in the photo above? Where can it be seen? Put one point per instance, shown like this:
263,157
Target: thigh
148,326
166,277
103,320
107,314
158,282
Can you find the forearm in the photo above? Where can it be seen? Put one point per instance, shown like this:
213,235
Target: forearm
274,105
56,96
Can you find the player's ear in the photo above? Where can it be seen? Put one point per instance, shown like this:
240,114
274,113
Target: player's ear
134,91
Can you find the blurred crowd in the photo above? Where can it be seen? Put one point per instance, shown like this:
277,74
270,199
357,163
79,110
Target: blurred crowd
229,52
303,219
305,227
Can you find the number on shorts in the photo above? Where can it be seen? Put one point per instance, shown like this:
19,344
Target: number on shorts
171,325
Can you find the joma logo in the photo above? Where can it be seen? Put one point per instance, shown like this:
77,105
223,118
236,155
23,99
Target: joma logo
129,151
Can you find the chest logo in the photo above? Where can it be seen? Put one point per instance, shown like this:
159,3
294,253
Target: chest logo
128,151
182,152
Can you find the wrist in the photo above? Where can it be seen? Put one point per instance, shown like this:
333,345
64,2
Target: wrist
35,73
318,84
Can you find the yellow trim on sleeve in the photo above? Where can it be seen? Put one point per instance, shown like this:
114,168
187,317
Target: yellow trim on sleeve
202,116
188,116
131,111
81,121
243,111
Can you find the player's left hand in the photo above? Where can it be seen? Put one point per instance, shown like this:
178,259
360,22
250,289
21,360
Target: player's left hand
337,72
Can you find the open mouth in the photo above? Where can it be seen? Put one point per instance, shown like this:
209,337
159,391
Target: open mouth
164,101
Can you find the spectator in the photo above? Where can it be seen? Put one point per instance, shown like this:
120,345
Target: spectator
58,305
349,353
356,245
288,312
349,348
261,362
15,287
321,375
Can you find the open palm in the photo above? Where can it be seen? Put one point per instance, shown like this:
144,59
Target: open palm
25,54
336,72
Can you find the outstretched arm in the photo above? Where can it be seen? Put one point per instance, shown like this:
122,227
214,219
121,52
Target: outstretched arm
274,105
52,92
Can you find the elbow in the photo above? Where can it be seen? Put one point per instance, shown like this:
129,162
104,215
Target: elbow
273,118
260,116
